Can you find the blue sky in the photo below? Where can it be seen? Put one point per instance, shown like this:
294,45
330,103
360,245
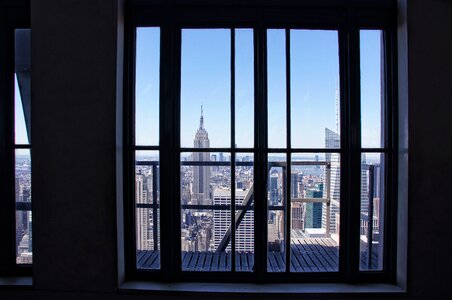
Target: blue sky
21,131
206,81
20,128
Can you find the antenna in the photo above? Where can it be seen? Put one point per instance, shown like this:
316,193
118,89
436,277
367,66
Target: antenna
201,120
337,106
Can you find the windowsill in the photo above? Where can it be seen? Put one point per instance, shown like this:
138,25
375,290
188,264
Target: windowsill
249,288
22,281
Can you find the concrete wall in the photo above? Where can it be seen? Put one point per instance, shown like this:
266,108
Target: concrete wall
76,57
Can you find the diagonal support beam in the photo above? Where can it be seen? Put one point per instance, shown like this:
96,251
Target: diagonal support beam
238,219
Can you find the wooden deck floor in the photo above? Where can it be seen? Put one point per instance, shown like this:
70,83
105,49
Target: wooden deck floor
307,255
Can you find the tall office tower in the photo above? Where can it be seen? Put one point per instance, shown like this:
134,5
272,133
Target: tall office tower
295,179
313,214
144,232
297,208
201,174
222,221
333,141
364,184
274,191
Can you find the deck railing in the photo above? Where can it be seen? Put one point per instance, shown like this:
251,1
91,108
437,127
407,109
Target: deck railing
247,203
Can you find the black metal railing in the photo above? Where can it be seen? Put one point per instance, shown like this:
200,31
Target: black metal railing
247,203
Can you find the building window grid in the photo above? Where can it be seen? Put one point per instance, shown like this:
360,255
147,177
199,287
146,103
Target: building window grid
349,87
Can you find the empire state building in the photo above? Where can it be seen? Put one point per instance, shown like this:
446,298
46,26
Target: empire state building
201,174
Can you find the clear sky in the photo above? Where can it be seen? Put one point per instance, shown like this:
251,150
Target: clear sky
21,136
206,80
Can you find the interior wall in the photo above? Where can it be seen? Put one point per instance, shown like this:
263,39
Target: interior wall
74,119
74,47
430,144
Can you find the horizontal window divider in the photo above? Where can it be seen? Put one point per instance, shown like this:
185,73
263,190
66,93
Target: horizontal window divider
198,206
227,207
23,206
22,146
375,150
146,147
147,163
304,150
207,150
381,4
239,163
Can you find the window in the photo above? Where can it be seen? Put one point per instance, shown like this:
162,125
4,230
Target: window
260,144
15,131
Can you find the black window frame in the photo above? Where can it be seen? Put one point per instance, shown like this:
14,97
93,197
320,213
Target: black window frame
348,18
13,15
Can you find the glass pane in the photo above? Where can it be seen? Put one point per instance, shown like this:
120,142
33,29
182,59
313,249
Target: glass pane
244,214
244,88
276,77
277,172
372,208
205,212
314,86
206,86
314,224
147,86
147,199
24,252
372,110
22,87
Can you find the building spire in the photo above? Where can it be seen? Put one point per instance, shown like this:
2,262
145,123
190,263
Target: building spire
201,120
337,106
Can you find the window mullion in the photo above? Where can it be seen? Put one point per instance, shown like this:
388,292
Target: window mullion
233,153
390,236
354,170
169,151
288,155
260,151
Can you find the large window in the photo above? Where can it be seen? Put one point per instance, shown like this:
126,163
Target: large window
260,144
15,132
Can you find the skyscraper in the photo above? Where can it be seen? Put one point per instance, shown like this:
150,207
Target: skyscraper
314,210
222,221
333,141
274,191
144,235
295,179
201,174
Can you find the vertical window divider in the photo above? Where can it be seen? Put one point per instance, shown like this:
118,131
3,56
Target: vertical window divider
344,94
288,153
233,154
129,142
391,162
260,151
176,108
354,153
170,150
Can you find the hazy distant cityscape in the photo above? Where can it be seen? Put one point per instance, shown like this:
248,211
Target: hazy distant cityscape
23,217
